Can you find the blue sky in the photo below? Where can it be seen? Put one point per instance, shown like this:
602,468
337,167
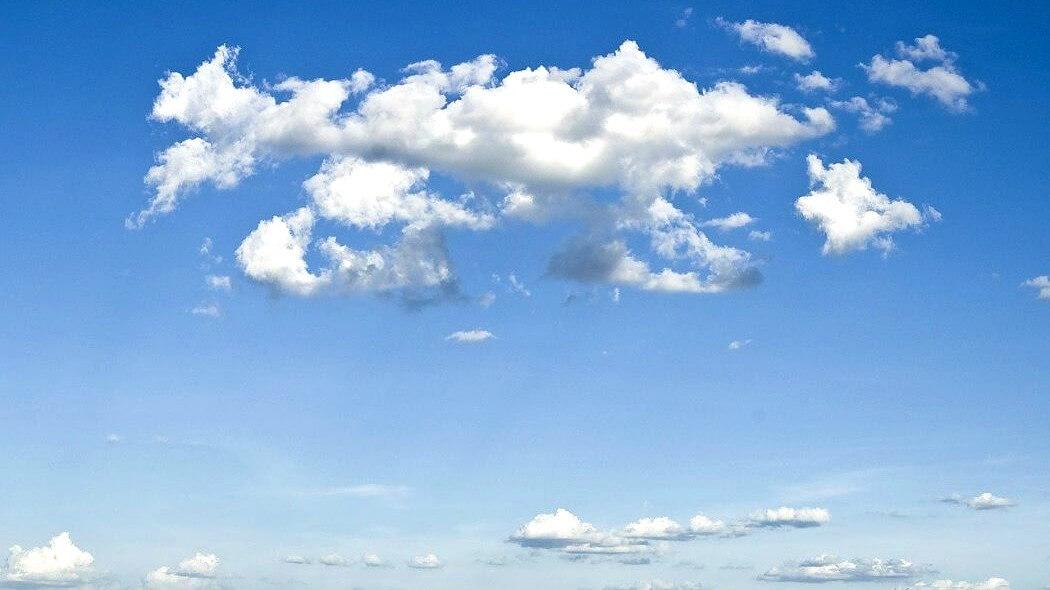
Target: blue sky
575,318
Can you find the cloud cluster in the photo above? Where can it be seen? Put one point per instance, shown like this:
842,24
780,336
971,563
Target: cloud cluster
850,212
815,80
982,501
772,37
828,568
564,531
942,82
658,584
57,564
872,117
543,137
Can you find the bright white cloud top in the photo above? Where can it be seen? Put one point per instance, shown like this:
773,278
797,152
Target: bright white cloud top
59,563
828,568
194,573
851,213
772,37
538,138
815,81
995,583
1042,283
982,501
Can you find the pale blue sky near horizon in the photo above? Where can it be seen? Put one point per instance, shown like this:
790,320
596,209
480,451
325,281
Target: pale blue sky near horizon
869,384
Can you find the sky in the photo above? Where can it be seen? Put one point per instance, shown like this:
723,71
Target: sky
606,296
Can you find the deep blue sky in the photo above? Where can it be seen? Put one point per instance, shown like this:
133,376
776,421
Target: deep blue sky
869,384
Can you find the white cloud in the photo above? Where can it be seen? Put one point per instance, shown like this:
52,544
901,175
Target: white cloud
683,17
816,81
558,529
942,82
1041,282
334,560
546,135
114,439
701,525
732,221
219,282
425,562
207,310
60,563
655,529
195,573
658,584
297,559
872,117
470,336
791,517
368,490
738,344
828,568
989,584
760,236
982,501
772,37
850,212
372,560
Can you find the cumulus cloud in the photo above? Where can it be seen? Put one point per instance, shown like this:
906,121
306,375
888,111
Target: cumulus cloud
425,562
655,529
194,573
60,563
942,82
207,310
850,212
982,501
373,560
544,135
470,336
1042,283
738,344
791,517
772,37
989,584
760,236
334,560
297,559
815,80
828,568
872,117
732,221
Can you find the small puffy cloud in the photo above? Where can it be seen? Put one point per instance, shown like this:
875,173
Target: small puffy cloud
114,439
705,526
815,80
555,530
1042,283
683,17
655,529
738,344
297,559
425,562
219,283
872,117
989,584
772,37
982,501
732,221
373,560
828,568
194,573
334,560
760,236
942,82
850,212
60,563
209,310
791,517
470,336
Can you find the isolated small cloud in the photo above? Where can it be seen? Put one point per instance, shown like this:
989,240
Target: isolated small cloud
114,439
982,501
760,236
733,221
738,344
219,283
791,517
872,117
772,37
470,336
425,562
942,82
334,560
994,583
373,560
194,573
815,80
683,17
209,310
1042,283
297,559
